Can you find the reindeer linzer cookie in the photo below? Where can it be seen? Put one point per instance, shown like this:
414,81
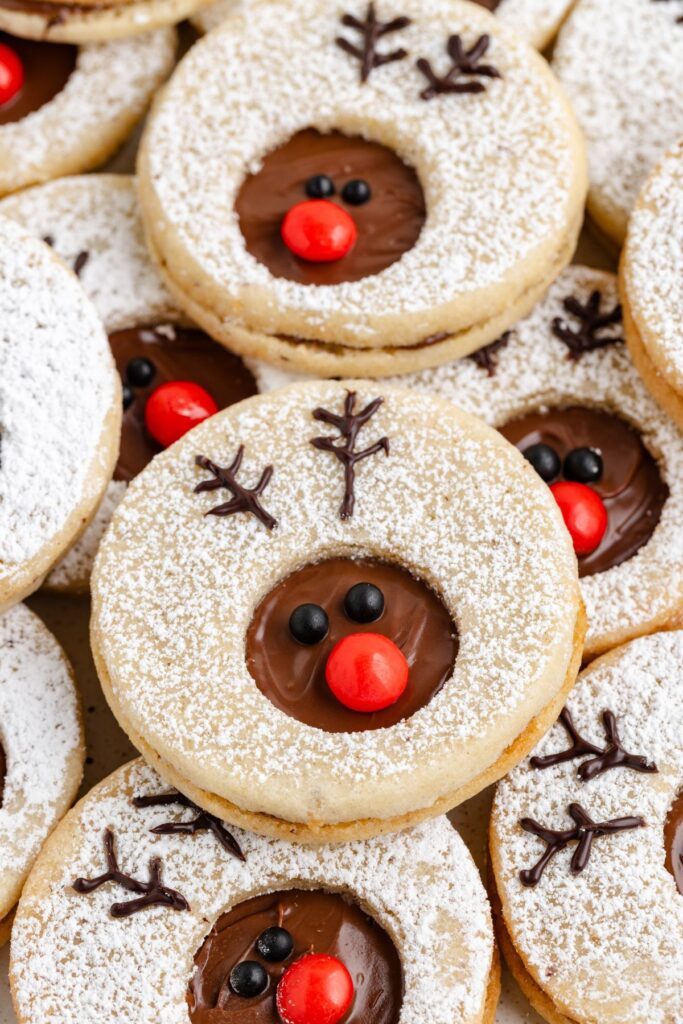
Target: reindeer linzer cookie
173,375
333,611
95,21
41,747
587,847
402,216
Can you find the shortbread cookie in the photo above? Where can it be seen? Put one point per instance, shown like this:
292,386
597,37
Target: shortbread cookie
91,21
210,923
41,747
66,109
620,64
93,223
284,504
60,411
536,20
301,222
652,284
587,847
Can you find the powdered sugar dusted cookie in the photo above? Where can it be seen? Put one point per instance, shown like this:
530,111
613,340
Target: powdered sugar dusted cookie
90,21
536,20
652,284
93,223
302,223
238,923
60,411
620,64
99,92
310,529
586,844
41,746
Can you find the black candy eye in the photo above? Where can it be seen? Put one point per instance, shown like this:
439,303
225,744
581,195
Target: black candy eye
275,945
356,192
584,465
545,461
320,186
248,979
140,372
309,624
128,397
364,603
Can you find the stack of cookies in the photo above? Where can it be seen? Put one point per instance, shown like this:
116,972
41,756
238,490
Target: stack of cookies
372,492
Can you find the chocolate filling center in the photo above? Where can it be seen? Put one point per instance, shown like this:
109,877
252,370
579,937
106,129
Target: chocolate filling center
631,485
47,67
3,773
318,922
673,841
176,354
292,675
389,223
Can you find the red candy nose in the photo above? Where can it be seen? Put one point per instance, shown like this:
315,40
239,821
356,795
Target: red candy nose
11,74
367,672
584,514
317,989
176,407
319,231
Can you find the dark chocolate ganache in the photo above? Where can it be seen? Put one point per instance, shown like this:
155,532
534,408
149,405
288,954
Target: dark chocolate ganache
292,675
318,922
47,68
630,486
673,841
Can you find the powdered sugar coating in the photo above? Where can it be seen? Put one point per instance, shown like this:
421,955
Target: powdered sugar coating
502,171
620,64
421,886
40,733
57,389
605,944
174,592
654,267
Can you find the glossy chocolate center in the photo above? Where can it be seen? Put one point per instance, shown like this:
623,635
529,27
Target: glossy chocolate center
318,922
176,353
292,675
490,5
47,67
631,486
389,223
673,841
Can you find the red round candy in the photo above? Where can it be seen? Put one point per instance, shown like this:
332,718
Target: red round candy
11,74
176,407
319,231
317,989
367,672
584,514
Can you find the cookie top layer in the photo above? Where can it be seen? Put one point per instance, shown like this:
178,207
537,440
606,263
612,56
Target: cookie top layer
175,590
421,886
60,407
653,267
41,737
502,169
620,64
625,900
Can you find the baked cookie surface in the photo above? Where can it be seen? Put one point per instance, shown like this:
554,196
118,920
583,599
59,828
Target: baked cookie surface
61,411
41,746
623,768
394,163
619,63
450,507
84,21
407,915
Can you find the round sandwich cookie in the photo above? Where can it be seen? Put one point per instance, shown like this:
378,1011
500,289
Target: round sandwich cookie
60,411
65,109
173,375
211,924
652,284
406,216
41,747
77,22
620,64
561,386
587,847
536,20
331,612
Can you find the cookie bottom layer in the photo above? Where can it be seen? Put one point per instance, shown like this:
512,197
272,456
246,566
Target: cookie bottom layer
655,381
94,23
316,833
